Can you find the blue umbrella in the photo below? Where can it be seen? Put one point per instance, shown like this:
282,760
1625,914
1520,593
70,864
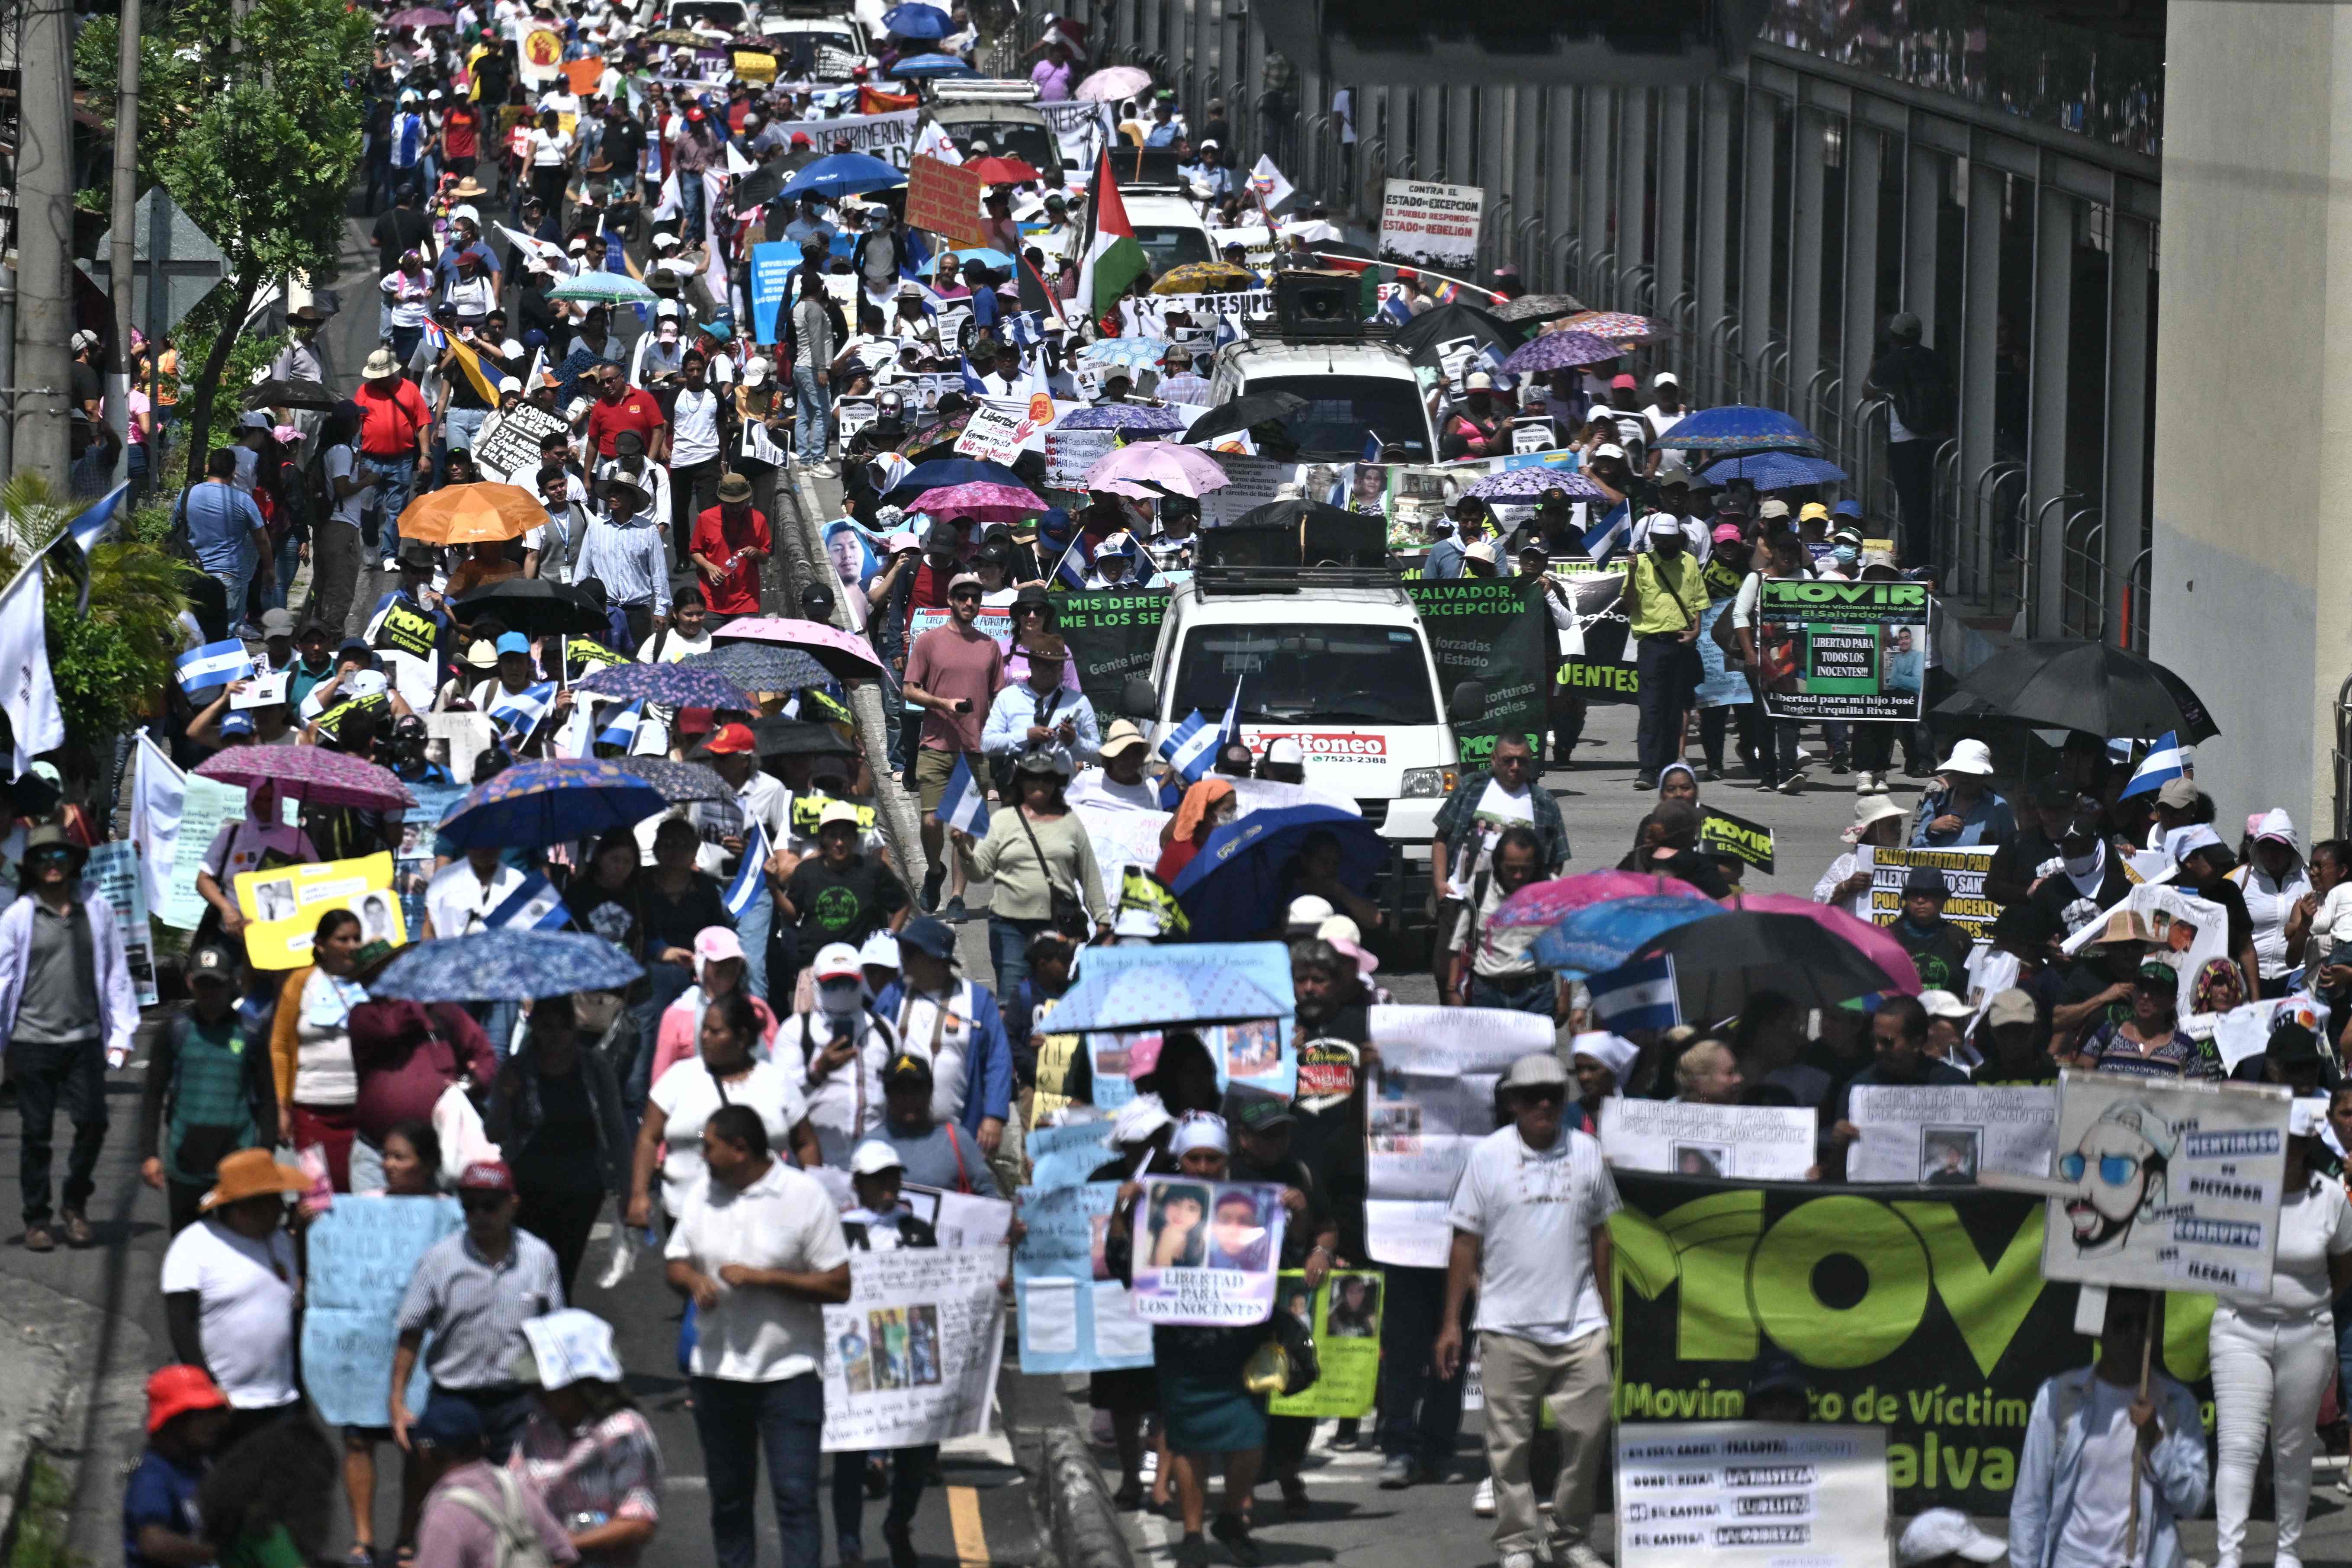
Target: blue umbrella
996,260
508,965
915,21
1775,471
679,782
1134,353
943,472
841,174
931,66
1161,995
761,666
1125,416
533,805
1600,937
1237,887
1738,427
678,684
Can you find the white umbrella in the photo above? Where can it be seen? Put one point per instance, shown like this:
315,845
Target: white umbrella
1113,83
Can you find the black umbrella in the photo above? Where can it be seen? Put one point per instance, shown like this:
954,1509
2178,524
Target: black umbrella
761,666
1249,408
536,607
1420,337
1539,308
2070,683
778,736
1291,513
1721,963
276,394
761,186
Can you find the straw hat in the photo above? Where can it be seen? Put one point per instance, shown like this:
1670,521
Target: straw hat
251,1173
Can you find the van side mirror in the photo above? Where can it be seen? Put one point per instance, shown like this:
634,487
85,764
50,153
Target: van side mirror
1141,702
1468,703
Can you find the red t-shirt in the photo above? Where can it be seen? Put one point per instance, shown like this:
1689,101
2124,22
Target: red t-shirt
947,663
389,417
636,410
459,129
738,592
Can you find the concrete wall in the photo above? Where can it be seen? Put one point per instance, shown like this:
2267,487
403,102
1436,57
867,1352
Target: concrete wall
2252,566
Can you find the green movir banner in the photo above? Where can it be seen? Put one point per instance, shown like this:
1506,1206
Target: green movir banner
1852,651
1920,1308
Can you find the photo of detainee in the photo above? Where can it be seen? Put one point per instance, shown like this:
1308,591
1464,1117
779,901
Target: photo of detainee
1395,1127
1947,1156
1355,1311
887,1332
1176,1230
1702,1159
274,900
1237,1237
922,1346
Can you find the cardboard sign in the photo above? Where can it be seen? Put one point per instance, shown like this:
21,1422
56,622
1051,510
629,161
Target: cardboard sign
1749,842
510,454
1423,224
998,430
582,76
944,198
282,907
1746,1494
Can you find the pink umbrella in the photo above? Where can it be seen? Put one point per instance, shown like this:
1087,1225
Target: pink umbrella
1546,904
989,503
311,773
845,655
1173,470
1874,941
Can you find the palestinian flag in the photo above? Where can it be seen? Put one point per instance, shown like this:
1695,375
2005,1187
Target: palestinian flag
1113,259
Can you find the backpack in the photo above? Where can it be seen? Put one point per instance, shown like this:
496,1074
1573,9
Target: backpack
519,1545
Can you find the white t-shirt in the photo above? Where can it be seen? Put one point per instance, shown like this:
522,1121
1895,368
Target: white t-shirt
694,427
549,148
2314,1225
245,1292
784,1220
1095,787
847,1105
457,903
1497,809
343,465
1535,1209
689,1095
669,645
2095,1528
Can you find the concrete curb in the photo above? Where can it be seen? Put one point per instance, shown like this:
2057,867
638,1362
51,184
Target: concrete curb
1075,1517
47,1350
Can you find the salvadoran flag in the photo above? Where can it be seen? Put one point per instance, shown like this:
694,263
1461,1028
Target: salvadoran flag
972,381
963,807
1191,746
519,714
2163,763
621,726
214,666
534,905
89,528
1608,536
752,876
1638,995
575,735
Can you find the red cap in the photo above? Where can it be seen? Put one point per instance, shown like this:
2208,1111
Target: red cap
176,1390
1622,381
800,138
487,1176
1726,533
731,740
695,112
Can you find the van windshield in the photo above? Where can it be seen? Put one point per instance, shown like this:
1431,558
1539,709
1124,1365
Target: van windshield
1033,144
1342,410
1296,675
1167,248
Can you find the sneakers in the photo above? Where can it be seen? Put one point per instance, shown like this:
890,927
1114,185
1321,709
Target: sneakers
1866,783
1482,1501
932,880
1792,783
1150,1470
1841,763
1577,1554
1235,1531
955,913
1645,781
1396,1473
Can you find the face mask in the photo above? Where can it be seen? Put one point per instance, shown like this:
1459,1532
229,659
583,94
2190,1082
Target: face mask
1845,554
839,998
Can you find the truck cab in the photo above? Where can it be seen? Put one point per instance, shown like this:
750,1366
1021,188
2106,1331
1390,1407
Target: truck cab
988,116
1352,386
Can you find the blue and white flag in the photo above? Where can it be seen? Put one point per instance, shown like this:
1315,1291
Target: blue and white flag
621,725
520,712
2162,764
965,805
1192,747
1638,995
1611,534
89,528
534,905
217,664
971,381
752,876
575,735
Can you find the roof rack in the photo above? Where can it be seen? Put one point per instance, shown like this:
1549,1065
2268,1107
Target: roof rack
984,89
1232,581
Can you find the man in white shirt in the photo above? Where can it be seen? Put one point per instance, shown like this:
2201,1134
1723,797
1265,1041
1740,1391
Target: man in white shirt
460,897
229,1288
725,826
760,1250
1530,1219
1119,782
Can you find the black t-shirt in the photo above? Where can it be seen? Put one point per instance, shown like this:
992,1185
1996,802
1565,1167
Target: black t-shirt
1329,1136
398,229
1941,955
2234,902
608,912
2011,871
670,924
2057,894
847,905
88,387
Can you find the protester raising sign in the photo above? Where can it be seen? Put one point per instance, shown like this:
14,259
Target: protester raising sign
1344,1315
1965,904
282,907
362,1253
1763,1142
1074,1317
1740,1493
1727,837
1205,1252
1848,651
944,198
911,1358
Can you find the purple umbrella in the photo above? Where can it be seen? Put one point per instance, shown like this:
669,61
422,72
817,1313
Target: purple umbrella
1124,417
1528,483
1558,350
311,773
989,503
418,16
678,684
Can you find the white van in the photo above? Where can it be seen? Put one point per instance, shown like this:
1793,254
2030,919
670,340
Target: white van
1352,385
1169,228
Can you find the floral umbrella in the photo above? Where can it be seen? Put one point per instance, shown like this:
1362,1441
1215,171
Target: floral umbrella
1559,350
1619,327
311,774
759,666
506,965
679,782
1135,354
989,503
675,684
532,805
1528,483
1139,418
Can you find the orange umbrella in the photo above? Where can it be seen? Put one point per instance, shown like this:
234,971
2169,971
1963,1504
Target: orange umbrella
471,514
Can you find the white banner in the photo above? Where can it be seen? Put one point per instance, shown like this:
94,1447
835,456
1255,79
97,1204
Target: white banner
1070,455
889,137
1121,837
911,1357
1756,1142
1427,225
1433,1099
2192,935
1734,1493
1945,1136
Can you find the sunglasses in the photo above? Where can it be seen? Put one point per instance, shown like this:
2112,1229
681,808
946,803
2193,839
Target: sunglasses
2114,1170
1545,1094
480,1203
966,596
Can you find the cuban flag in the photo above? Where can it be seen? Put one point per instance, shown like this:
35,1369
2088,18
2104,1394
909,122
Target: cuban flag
217,664
2163,763
621,725
1638,995
519,714
752,876
434,337
534,905
965,806
1608,536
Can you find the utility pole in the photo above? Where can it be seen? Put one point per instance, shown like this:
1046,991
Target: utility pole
126,215
44,185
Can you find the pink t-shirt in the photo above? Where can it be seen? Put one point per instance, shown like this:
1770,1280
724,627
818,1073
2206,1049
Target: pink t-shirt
946,662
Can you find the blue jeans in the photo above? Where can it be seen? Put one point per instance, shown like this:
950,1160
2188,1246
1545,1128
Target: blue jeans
690,223
1008,949
395,478
753,930
288,557
908,1469
234,583
404,340
735,1421
464,425
809,402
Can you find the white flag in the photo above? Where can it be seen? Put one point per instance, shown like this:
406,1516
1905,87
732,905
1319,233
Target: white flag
667,207
1267,182
932,143
31,698
736,162
158,793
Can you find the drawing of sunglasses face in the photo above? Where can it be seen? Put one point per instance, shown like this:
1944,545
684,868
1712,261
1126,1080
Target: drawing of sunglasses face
2118,1173
2114,1170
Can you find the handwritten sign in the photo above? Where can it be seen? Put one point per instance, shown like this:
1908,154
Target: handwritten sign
205,808
1766,1142
911,1357
362,1252
1074,1317
1433,1099
510,454
944,198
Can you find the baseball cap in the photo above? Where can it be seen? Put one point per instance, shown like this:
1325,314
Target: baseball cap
2177,793
1925,879
838,811
963,580
1942,1533
1942,1004
1285,751
906,1068
513,642
1308,908
1256,1111
174,1391
447,1421
214,963
1772,509
836,961
1665,378
732,740
880,952
2011,1006
487,1176
278,624
1535,1070
1726,533
1609,449
874,1156
717,945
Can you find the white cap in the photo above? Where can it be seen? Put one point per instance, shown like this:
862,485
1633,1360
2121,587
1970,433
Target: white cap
468,211
1478,381
1139,1119
836,960
1664,523
1615,1052
366,683
664,309
1945,1532
880,952
1309,908
755,373
838,811
1665,378
873,1157
1481,550
1968,757
1941,1004
508,384
1609,449
665,241
1285,751
1200,1129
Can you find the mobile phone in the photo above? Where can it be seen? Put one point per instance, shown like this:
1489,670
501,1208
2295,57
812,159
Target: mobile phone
963,705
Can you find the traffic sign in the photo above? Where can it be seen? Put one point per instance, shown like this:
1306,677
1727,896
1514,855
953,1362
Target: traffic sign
163,237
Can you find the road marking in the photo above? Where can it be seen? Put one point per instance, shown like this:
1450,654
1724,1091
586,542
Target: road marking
963,1513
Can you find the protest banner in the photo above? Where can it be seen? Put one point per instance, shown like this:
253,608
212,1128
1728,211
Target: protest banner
944,199
1719,685
1074,1317
205,807
282,907
413,861
1734,837
958,1219
1112,634
1944,1136
997,623
1345,1317
1922,1308
911,1357
889,136
1205,1252
1434,1096
1000,430
1751,1494
113,869
362,1252
1082,128
1250,482
508,454
1070,455
1121,837
2167,1185
1965,904
1495,631
1759,1143
1250,1053
1423,224
1854,652
772,270
1602,670
2192,935
1066,1156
